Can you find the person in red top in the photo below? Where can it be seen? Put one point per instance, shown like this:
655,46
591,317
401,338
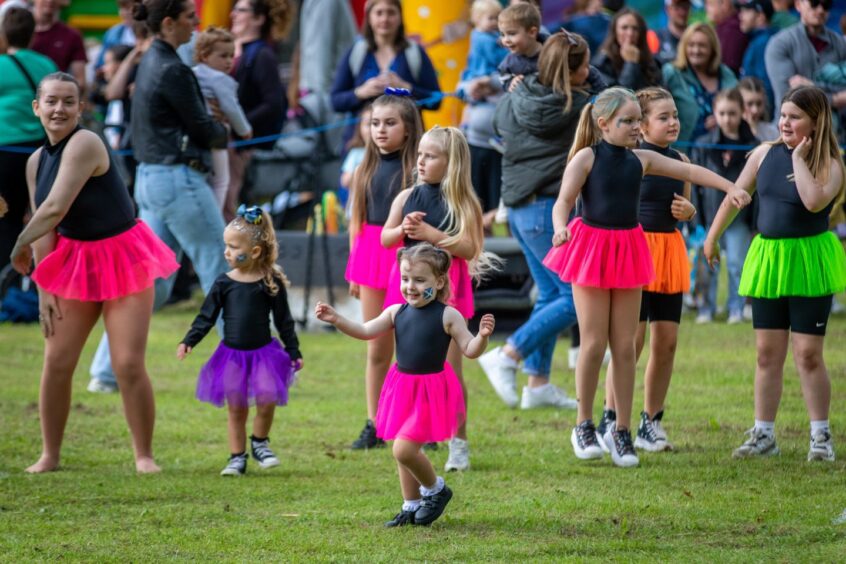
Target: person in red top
57,41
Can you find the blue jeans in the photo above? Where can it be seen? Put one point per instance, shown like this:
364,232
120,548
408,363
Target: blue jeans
178,205
554,310
735,242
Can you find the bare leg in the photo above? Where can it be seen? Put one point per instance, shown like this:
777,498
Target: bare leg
625,310
454,357
237,427
593,307
380,351
771,346
263,420
409,456
408,483
61,354
127,323
659,368
640,338
816,387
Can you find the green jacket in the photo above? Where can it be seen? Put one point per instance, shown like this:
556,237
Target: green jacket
680,84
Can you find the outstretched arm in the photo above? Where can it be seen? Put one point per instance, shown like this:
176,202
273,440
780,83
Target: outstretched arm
364,331
571,186
456,326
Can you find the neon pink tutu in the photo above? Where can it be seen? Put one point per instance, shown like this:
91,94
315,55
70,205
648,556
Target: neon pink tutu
370,263
460,288
424,408
602,258
242,378
105,269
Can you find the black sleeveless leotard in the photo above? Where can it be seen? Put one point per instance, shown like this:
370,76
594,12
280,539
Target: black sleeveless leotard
426,198
384,187
656,195
102,209
421,341
611,192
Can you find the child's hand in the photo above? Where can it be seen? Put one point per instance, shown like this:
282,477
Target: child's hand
681,208
802,149
326,313
561,237
740,198
297,365
182,351
414,226
486,325
711,250
514,82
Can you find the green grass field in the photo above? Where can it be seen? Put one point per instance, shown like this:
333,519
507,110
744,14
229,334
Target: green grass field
526,498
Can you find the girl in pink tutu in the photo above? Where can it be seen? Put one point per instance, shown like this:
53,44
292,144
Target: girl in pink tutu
422,400
604,253
387,169
92,258
249,367
443,210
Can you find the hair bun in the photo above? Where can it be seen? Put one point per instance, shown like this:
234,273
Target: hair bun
139,11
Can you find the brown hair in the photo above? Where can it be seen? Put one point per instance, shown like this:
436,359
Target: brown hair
18,27
524,14
262,235
438,260
648,96
716,55
207,39
561,47
155,11
731,95
612,47
279,15
605,106
400,42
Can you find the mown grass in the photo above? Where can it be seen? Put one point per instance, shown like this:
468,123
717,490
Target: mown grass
526,498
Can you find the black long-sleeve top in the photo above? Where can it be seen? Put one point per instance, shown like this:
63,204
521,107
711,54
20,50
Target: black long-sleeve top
246,311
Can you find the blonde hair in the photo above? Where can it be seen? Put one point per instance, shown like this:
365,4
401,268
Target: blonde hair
263,235
561,55
207,39
438,260
604,106
481,8
716,55
464,212
363,176
523,14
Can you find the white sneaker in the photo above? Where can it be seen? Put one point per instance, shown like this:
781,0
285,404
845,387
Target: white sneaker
502,377
735,319
572,357
747,312
96,386
547,395
459,456
585,442
821,447
704,318
758,444
621,447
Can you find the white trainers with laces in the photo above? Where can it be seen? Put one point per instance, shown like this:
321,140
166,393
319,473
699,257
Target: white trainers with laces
759,443
96,386
821,447
459,456
548,395
502,377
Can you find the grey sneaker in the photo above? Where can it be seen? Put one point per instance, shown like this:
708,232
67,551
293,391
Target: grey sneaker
502,377
585,442
547,396
758,444
262,453
96,386
647,436
821,447
237,465
459,456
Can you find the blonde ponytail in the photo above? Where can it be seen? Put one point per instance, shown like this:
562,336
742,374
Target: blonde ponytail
605,105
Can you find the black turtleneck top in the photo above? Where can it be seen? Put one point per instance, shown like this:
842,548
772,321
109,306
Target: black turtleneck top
421,341
426,198
656,195
384,187
611,192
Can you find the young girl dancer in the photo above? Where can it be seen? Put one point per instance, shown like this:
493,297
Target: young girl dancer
249,366
422,399
663,203
794,265
606,257
387,169
443,210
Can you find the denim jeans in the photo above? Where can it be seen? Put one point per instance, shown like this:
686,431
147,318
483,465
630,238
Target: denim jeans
178,205
735,243
554,310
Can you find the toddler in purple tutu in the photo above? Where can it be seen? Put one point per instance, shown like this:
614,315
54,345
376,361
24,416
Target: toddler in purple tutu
421,400
249,367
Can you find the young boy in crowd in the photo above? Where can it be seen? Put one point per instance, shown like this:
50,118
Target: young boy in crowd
519,25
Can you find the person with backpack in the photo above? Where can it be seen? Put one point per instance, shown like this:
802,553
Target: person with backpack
381,58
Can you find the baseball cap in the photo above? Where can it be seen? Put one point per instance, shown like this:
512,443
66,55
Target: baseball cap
761,6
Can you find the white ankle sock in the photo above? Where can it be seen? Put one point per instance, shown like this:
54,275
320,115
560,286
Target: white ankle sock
768,427
537,389
439,485
821,425
506,360
411,504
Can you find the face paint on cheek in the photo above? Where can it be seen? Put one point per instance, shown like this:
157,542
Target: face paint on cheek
428,293
241,258
619,122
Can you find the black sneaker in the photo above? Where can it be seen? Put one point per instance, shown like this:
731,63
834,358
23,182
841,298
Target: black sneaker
262,453
237,465
432,506
584,441
619,442
402,519
367,438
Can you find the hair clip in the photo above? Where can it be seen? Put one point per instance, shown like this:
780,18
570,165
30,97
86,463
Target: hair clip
250,214
391,91
592,100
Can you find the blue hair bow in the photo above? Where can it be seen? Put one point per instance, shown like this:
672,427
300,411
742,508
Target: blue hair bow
250,214
592,100
391,91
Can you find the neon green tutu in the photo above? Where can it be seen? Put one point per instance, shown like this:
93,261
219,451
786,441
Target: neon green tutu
802,266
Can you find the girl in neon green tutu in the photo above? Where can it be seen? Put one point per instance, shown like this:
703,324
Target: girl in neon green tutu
794,265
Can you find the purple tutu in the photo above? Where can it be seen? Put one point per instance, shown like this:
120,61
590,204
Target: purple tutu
243,378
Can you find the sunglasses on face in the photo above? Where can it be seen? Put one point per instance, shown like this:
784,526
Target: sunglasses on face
826,4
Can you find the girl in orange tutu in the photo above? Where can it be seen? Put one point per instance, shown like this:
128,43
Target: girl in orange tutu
663,203
605,256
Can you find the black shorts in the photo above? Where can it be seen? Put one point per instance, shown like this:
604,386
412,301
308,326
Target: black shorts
661,307
793,313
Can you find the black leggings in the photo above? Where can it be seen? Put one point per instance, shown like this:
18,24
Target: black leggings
792,313
661,307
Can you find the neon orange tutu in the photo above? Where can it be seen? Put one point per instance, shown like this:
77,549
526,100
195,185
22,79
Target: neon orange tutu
460,288
669,259
105,269
602,258
422,408
369,263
